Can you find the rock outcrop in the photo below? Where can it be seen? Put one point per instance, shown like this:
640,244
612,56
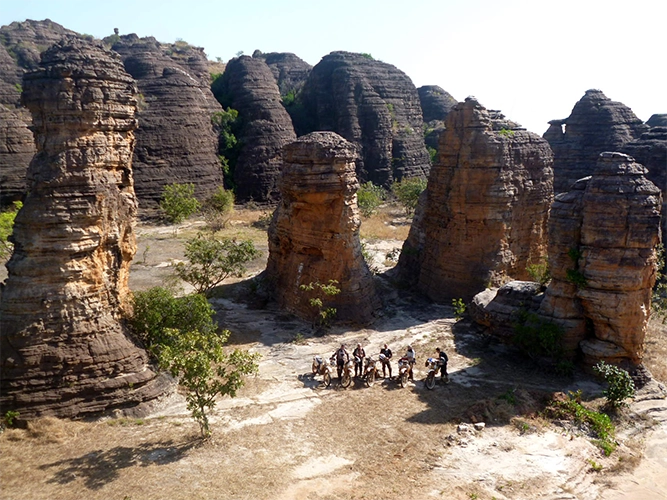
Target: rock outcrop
289,70
602,258
657,120
314,234
485,209
264,126
436,104
651,151
176,141
596,124
375,106
64,348
16,150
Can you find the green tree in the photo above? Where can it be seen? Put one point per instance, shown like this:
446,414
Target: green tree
199,361
218,209
6,228
211,261
179,202
408,192
320,291
369,198
156,310
226,123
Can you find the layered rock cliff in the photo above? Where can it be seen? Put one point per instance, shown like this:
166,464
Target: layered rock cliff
596,124
314,234
436,104
602,258
176,141
263,127
485,209
375,106
657,120
289,70
64,348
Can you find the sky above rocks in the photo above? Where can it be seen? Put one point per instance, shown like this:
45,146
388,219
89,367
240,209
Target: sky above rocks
533,60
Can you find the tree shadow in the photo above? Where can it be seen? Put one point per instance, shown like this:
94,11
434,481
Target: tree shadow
101,467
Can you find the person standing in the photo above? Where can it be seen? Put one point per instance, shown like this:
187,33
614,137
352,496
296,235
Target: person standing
341,356
443,360
386,363
411,356
359,355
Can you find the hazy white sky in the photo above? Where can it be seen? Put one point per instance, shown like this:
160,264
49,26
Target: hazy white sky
532,59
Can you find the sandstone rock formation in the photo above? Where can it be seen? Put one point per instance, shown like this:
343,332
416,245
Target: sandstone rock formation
651,151
602,238
176,141
596,124
314,235
289,70
373,105
436,104
248,85
485,209
16,150
64,348
657,120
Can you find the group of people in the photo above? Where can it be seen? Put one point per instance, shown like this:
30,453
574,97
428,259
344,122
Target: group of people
341,356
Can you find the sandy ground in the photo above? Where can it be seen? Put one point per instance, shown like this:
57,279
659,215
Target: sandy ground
286,436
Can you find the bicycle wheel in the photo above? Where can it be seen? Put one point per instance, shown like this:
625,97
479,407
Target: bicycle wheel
346,379
370,378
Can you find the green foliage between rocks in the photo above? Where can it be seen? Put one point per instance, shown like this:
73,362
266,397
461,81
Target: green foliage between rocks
408,191
369,198
320,292
178,202
459,308
6,228
539,272
211,261
538,338
620,385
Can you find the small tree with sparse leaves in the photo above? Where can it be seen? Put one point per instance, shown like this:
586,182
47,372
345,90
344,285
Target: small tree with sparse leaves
320,292
620,385
179,202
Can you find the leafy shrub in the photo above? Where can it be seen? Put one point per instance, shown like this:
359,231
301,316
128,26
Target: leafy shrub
211,261
659,298
218,209
620,385
198,360
506,132
156,311
433,154
6,228
575,276
539,272
369,198
408,191
226,123
459,308
178,202
324,315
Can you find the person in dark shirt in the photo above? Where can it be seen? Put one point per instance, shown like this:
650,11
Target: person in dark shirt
341,356
359,355
386,363
442,356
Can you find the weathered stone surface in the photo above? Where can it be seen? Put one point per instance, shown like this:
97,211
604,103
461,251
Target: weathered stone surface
485,209
373,105
265,126
651,151
176,141
596,124
289,70
657,120
64,347
436,104
16,150
314,234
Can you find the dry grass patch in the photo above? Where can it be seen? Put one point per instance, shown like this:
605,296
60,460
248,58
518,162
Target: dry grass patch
388,223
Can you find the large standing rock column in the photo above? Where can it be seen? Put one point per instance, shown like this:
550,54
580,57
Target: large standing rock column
620,229
314,235
485,210
65,350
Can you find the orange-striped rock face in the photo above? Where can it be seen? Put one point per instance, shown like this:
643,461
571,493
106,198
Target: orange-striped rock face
65,350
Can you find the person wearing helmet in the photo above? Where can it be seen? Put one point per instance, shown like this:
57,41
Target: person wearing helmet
359,355
341,356
442,361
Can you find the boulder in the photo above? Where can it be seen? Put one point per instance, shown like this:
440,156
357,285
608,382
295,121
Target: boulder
314,234
375,106
485,209
176,140
264,127
65,350
596,124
